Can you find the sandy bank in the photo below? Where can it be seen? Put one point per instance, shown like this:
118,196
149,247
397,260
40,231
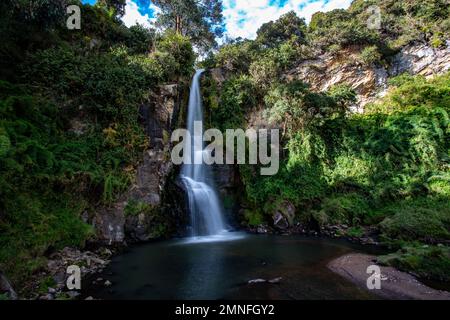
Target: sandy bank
394,285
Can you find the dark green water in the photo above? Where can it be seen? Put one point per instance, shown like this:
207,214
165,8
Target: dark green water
221,270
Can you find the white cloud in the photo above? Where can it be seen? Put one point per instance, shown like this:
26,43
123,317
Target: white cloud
133,16
244,17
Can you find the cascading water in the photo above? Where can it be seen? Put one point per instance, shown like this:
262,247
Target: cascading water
204,205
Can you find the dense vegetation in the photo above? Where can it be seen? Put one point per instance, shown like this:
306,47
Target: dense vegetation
70,136
386,170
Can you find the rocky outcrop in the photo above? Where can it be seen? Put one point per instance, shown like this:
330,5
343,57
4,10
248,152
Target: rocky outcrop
421,59
112,224
369,82
229,185
218,75
283,216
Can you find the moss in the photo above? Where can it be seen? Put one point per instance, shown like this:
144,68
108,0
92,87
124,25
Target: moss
424,219
45,284
254,218
135,208
430,262
355,232
4,297
348,209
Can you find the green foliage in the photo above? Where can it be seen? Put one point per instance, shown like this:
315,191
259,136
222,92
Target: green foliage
425,219
201,21
45,284
370,55
237,98
339,27
254,218
429,262
180,49
70,135
141,39
350,208
355,232
289,27
402,22
264,72
297,108
236,57
135,208
389,168
408,92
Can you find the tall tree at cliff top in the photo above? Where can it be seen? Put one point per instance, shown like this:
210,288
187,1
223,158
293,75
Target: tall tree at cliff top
200,20
117,5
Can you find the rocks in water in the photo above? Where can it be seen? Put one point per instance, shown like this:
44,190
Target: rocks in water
72,294
88,261
108,283
255,281
258,281
276,280
47,297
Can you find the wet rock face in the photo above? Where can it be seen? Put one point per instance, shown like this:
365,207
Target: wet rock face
369,82
229,186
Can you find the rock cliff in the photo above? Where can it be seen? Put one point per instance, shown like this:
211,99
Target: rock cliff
112,224
369,82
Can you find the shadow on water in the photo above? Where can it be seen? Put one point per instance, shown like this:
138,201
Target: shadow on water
184,269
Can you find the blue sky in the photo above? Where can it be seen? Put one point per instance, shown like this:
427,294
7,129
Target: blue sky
242,17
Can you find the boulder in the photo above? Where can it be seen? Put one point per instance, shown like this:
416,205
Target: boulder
284,215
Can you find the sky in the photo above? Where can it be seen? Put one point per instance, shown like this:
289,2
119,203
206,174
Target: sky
242,17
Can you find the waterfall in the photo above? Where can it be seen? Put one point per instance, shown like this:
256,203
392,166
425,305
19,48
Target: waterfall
204,206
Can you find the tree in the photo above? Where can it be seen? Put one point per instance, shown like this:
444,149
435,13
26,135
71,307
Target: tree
117,5
200,20
288,27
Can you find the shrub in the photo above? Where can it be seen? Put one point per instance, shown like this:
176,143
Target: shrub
429,262
425,220
237,98
254,218
345,209
236,57
180,48
264,72
370,55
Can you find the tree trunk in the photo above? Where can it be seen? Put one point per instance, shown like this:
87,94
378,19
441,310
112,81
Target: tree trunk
178,24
